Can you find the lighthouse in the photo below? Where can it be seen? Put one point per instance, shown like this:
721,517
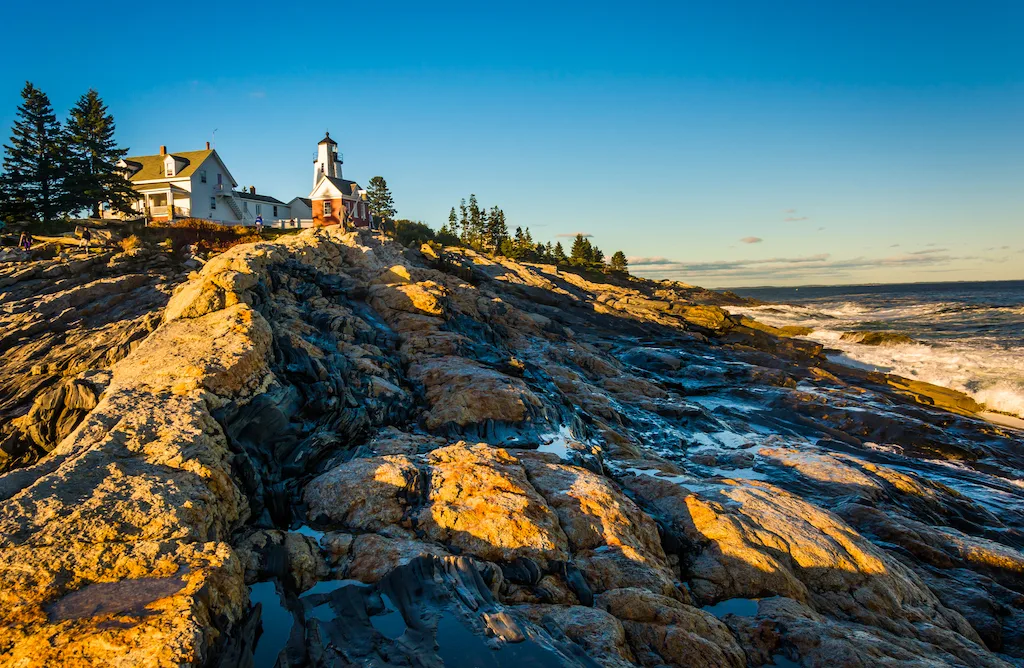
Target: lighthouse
328,162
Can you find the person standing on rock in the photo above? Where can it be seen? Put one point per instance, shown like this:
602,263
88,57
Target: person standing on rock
25,243
86,237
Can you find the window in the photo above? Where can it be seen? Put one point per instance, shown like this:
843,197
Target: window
213,203
259,209
327,209
169,165
275,212
202,176
245,204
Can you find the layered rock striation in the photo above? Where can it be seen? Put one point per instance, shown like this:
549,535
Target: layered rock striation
330,450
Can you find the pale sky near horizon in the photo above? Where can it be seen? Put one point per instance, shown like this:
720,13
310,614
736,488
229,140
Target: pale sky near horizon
732,143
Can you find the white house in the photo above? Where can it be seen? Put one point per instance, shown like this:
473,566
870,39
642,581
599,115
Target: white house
196,184
301,208
264,206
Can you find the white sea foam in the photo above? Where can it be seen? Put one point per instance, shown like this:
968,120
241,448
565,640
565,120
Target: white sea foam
990,372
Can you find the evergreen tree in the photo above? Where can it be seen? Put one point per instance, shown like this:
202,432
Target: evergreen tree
476,229
581,252
463,222
484,240
91,173
596,255
453,222
497,230
32,182
558,255
619,262
447,235
382,202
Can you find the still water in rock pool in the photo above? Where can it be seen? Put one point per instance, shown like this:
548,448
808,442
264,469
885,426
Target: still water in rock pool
744,607
276,621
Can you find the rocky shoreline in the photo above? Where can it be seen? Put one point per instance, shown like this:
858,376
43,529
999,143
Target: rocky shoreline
411,458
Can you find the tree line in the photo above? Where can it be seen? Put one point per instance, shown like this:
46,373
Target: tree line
53,169
485,229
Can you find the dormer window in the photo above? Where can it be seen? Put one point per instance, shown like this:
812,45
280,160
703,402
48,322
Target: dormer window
169,166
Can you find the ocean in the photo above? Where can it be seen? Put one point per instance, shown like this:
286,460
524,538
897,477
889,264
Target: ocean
966,336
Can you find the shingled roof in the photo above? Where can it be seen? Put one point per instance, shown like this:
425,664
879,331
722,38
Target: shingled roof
245,194
152,166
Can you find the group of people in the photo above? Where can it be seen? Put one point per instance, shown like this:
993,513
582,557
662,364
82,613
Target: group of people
26,241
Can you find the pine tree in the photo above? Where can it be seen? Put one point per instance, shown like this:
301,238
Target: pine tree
91,173
475,226
497,230
581,252
596,255
32,182
463,222
619,262
448,234
382,202
559,254
485,241
453,222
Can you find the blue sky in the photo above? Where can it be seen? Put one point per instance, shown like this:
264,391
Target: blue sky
719,143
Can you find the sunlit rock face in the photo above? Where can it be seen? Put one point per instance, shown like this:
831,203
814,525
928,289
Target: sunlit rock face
329,450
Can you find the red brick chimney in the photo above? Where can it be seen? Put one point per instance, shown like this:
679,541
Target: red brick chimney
207,146
163,150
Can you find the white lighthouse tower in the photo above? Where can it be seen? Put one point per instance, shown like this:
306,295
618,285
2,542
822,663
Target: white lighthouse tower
328,162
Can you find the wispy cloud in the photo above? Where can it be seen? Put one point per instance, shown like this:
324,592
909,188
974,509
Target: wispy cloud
258,94
930,251
651,260
809,267
794,219
789,211
751,240
572,235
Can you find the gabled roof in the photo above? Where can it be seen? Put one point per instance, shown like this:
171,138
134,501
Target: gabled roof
334,184
151,167
327,140
243,194
305,200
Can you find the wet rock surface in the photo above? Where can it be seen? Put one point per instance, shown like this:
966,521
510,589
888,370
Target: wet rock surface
328,450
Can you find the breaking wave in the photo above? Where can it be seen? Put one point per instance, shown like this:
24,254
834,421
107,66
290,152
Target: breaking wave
974,348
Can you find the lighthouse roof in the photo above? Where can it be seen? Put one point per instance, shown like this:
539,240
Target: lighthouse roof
327,140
